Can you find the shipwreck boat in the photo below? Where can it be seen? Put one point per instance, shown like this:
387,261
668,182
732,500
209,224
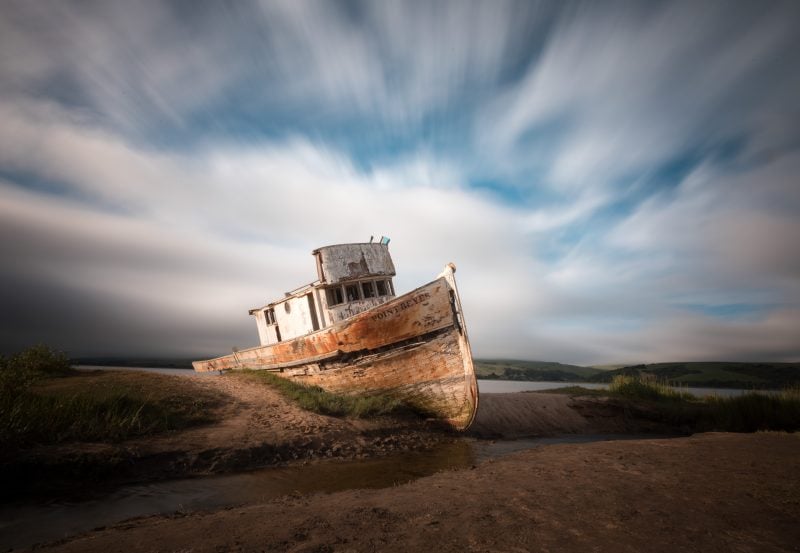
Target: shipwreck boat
349,333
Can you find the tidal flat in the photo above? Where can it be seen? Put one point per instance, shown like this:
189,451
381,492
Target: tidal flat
399,482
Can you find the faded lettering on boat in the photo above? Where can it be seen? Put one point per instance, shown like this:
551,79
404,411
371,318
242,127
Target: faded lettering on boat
413,347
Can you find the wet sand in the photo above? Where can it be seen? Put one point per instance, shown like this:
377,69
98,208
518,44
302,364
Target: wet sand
257,427
710,492
526,414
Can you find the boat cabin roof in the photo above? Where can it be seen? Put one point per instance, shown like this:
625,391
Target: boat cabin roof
341,263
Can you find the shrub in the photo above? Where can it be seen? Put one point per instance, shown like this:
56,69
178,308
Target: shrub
20,371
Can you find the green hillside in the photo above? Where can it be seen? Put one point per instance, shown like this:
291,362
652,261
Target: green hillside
715,374
513,369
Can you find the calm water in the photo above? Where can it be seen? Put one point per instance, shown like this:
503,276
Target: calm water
504,386
22,525
485,386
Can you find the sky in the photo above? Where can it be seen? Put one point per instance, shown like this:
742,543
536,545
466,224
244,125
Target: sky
617,182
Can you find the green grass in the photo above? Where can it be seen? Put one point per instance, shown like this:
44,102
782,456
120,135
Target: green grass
749,412
753,411
114,415
44,401
314,398
646,387
745,413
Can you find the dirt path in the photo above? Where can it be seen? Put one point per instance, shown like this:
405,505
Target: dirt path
254,415
258,426
710,492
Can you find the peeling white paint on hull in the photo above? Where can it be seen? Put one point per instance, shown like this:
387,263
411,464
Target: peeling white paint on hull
414,347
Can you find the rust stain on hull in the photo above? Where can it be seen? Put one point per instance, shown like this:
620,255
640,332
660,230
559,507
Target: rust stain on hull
414,347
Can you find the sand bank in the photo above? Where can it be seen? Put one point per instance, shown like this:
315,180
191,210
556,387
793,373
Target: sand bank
710,492
258,427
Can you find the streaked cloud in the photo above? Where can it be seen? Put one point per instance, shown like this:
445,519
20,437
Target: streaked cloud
615,182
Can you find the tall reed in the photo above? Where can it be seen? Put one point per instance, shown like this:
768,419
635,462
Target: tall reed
646,386
756,411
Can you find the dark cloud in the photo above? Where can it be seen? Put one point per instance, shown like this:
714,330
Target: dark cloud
167,167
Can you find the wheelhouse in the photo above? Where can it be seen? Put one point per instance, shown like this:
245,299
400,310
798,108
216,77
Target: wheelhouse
351,278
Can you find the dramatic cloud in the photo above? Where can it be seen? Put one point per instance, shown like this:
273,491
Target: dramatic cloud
615,182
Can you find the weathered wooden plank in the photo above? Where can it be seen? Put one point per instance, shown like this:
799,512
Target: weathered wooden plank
428,376
414,348
423,310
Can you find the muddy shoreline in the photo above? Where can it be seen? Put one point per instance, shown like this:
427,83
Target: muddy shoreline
258,428
703,492
708,492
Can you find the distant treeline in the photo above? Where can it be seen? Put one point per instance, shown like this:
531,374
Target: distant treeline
698,374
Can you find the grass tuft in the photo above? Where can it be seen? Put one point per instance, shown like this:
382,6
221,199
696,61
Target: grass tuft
646,387
756,411
314,398
745,413
44,401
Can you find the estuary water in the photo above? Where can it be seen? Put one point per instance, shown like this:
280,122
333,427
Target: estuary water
506,386
484,386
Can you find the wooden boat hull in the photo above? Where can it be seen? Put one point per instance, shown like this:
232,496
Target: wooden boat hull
414,348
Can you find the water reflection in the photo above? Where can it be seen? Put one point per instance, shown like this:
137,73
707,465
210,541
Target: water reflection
25,525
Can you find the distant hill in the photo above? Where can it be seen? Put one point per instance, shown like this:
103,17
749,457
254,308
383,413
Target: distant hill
714,374
512,369
699,374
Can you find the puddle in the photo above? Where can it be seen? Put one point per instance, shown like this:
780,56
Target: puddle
23,525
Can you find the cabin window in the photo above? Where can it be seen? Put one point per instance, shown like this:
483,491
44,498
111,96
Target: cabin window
367,289
351,291
382,289
287,307
269,316
334,296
